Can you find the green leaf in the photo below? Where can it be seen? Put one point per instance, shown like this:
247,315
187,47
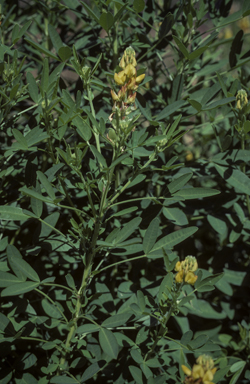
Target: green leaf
46,184
116,320
127,230
83,129
64,53
106,20
217,224
236,48
176,215
174,238
21,264
138,5
63,380
98,156
36,195
178,183
198,342
206,311
181,47
136,373
55,38
12,213
92,370
218,103
170,109
196,193
195,104
88,328
235,178
237,374
236,366
166,25
95,15
108,343
20,138
41,49
7,279
125,211
50,309
193,55
18,289
32,87
151,235
165,287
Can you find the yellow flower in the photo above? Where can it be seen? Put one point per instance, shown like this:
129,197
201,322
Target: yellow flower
130,71
191,278
179,277
120,78
178,266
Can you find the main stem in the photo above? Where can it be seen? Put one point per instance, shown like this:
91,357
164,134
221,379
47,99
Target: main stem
162,329
88,267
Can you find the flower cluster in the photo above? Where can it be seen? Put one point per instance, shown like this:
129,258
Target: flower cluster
202,372
241,99
127,79
124,100
186,269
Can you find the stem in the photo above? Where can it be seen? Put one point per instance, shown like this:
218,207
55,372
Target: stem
93,114
162,329
85,279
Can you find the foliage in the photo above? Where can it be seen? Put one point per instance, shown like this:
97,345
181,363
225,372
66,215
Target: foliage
125,230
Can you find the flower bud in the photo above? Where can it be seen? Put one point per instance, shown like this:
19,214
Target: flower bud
241,99
114,95
140,78
131,98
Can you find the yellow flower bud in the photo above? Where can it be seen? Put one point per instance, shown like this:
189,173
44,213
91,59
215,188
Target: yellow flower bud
186,370
241,99
140,78
131,98
178,266
114,95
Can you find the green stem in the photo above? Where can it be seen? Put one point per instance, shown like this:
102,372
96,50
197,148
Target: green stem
85,279
162,329
130,181
96,134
